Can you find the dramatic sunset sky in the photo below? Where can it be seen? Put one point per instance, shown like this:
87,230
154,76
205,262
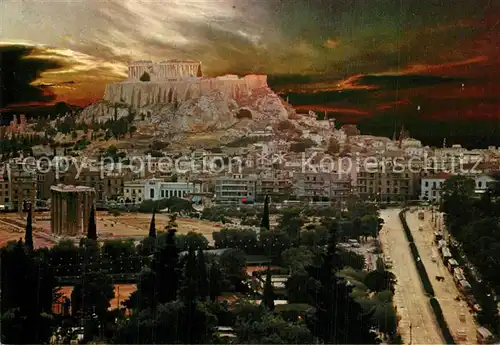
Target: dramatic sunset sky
354,58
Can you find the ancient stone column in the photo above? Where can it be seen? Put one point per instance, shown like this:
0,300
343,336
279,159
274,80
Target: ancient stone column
59,212
52,212
64,214
86,211
78,216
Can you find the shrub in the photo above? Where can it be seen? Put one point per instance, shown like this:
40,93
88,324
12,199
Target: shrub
436,307
424,277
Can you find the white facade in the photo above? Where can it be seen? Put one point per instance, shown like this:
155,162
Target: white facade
155,189
430,188
133,191
483,182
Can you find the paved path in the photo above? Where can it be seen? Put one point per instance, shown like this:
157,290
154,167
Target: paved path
445,291
410,299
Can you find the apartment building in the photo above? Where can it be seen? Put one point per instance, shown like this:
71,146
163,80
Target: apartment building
312,185
277,184
381,182
4,191
22,180
235,189
108,185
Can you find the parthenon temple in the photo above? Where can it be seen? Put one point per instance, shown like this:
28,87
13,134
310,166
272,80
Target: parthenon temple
70,209
171,70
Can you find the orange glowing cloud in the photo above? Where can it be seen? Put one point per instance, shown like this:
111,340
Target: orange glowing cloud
322,108
390,105
443,68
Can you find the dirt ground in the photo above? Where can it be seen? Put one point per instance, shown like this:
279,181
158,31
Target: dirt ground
108,226
122,292
446,291
417,324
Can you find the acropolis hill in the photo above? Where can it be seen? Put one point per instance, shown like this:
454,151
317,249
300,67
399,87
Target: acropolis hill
176,81
172,100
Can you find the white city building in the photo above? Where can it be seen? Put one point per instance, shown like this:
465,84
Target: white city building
430,188
133,192
431,185
156,189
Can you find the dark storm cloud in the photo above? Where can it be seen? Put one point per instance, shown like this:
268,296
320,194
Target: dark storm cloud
18,71
279,80
397,82
338,98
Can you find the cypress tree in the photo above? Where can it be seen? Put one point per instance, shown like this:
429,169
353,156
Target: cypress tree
189,288
166,266
338,318
215,279
265,216
92,228
28,240
268,298
203,282
152,226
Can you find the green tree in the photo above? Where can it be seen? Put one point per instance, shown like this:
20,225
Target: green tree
273,243
202,276
291,222
385,318
29,230
232,264
169,323
215,280
152,226
145,295
380,280
193,240
189,281
90,299
27,290
297,259
265,215
166,266
456,194
268,293
338,318
92,228
272,329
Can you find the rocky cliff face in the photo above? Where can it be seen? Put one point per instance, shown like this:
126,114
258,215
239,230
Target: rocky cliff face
173,109
139,94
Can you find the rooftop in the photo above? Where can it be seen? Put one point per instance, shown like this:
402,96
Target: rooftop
68,188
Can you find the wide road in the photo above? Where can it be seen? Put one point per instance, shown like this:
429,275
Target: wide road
446,291
412,304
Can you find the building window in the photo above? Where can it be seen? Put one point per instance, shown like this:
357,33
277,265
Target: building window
162,193
434,184
152,193
427,183
479,184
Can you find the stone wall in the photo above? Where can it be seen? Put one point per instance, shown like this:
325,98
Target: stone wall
140,94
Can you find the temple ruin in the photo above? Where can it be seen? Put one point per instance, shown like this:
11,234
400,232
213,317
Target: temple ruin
170,70
70,209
